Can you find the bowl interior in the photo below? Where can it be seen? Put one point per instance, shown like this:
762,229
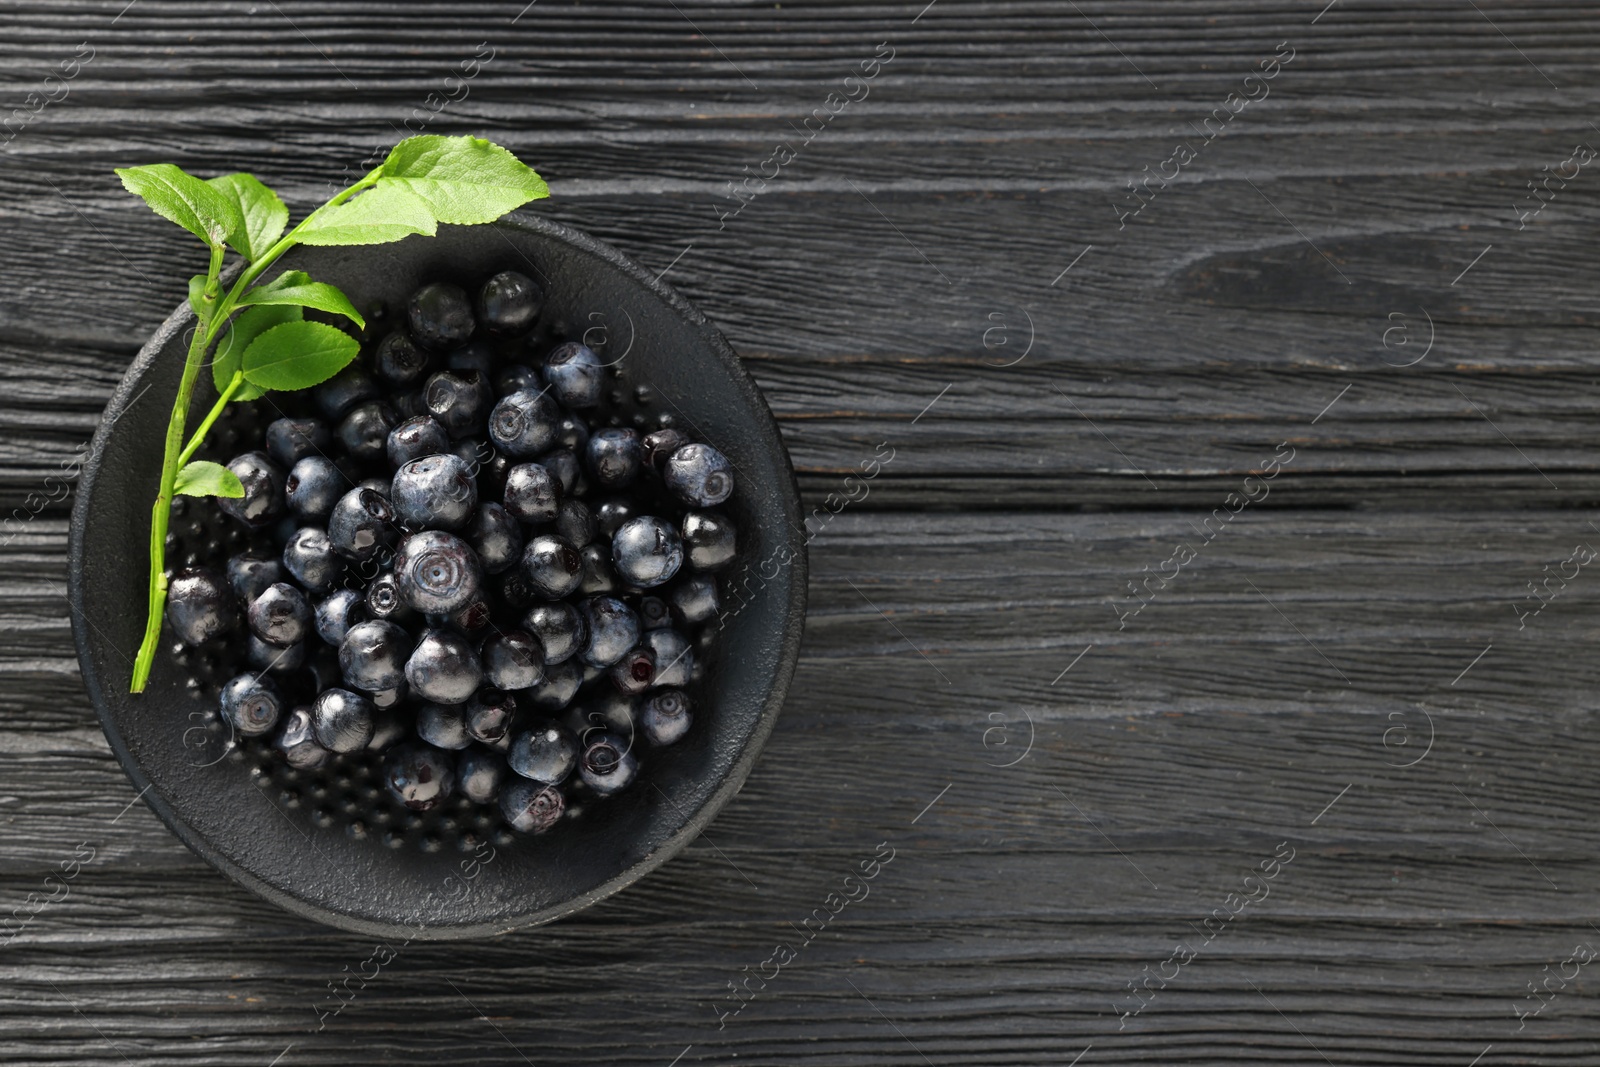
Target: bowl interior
209,797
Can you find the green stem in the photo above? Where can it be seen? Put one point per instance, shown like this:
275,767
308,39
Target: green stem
199,437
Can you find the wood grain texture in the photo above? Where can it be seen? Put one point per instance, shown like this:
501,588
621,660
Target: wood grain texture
1361,617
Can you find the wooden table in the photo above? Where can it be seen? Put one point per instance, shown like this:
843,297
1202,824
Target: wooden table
1207,541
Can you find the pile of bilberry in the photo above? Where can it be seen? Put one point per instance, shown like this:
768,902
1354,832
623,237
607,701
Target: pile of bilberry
462,563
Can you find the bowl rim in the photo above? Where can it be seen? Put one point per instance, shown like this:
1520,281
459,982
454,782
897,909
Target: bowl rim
731,783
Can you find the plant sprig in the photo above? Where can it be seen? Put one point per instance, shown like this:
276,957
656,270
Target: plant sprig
425,181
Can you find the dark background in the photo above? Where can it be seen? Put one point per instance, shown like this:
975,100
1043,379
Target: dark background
1340,673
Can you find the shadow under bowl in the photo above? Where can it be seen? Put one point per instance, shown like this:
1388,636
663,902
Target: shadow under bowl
207,790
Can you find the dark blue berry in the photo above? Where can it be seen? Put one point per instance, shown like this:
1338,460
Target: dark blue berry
372,656
560,685
496,537
399,361
440,316
343,391
709,541
572,432
515,377
665,716
443,726
509,303
607,765
548,754
513,659
560,629
249,574
660,445
434,493
418,436
647,552
575,373
674,659
480,772
531,807
532,493
362,524
635,672
364,432
437,573
613,514
389,726
251,705
200,605
653,613
513,592
263,490
443,668
613,629
291,440
310,557
598,575
701,476
694,599
574,522
473,618
489,714
606,711
342,721
615,457
419,776
313,486
281,615
298,742
563,463
337,612
552,566
524,424
460,400
474,355
384,600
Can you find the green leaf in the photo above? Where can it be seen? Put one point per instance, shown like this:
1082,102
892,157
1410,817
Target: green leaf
463,180
382,214
296,287
184,199
298,355
250,324
262,215
204,478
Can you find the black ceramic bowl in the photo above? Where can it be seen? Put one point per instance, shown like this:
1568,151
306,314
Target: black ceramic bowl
274,834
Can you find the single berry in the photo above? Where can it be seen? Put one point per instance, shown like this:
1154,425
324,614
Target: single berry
480,772
437,573
607,765
460,400
653,613
418,436
337,612
563,463
606,711
532,493
389,726
419,776
615,457
598,575
560,685
474,355
665,716
443,668
552,566
647,552
496,537
384,600
613,629
530,807
434,493
509,303
364,433
265,656
342,720
694,599
200,605
560,630
291,440
699,475
674,658
298,742
400,361
250,574
310,557
443,726
440,316
515,377
251,705
709,541
372,656
362,524
313,486
524,424
613,514
263,490
574,373
660,445
548,754
513,659
489,714
575,522
343,391
572,432
280,616
635,672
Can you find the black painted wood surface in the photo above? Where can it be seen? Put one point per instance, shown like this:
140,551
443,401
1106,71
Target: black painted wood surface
1349,278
